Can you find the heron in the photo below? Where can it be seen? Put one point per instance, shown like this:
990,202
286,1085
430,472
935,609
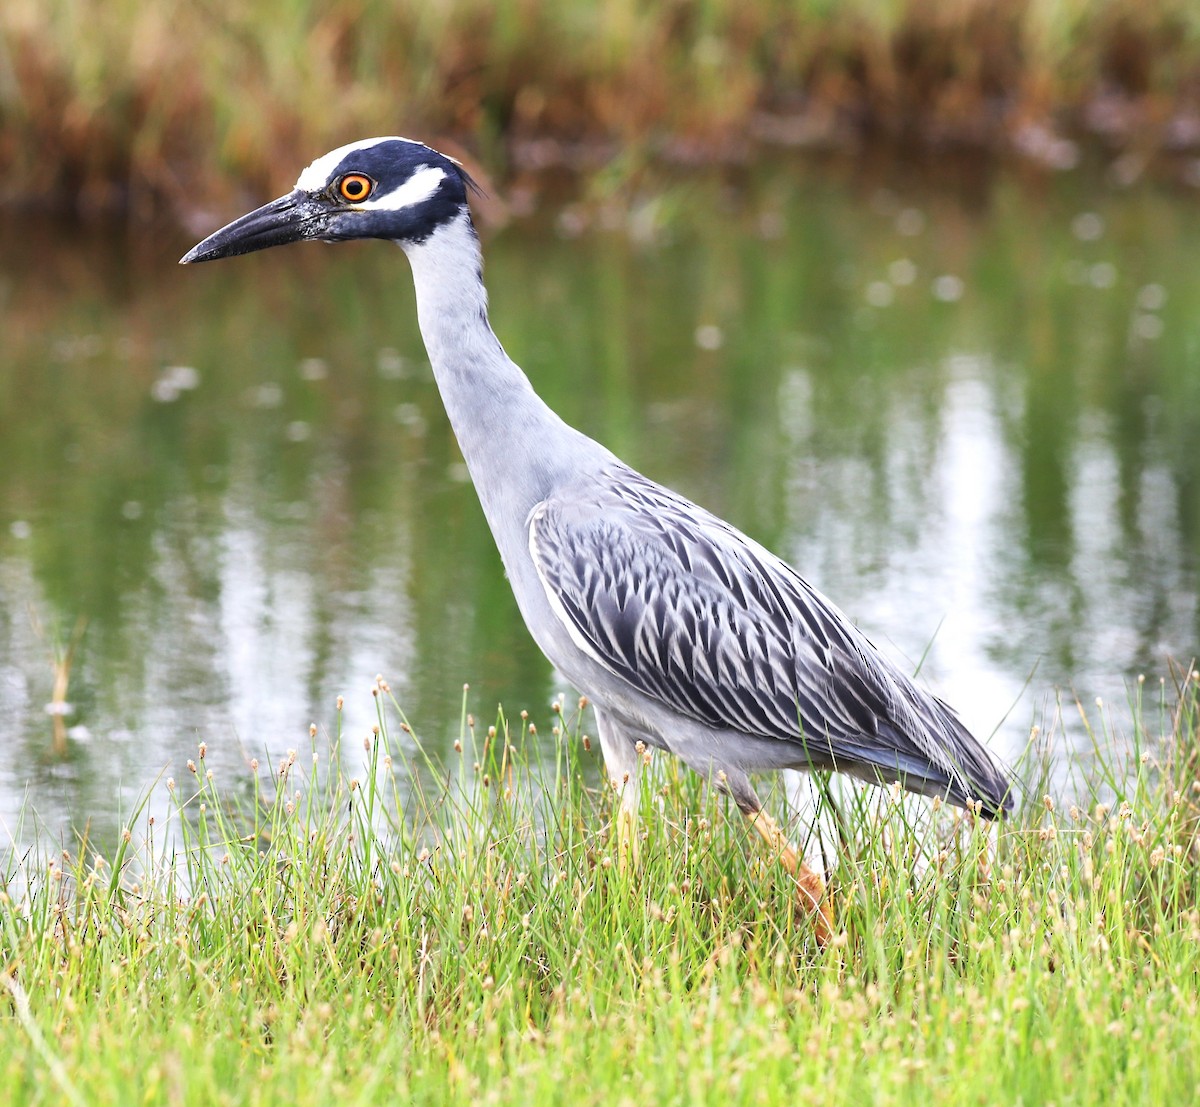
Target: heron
685,634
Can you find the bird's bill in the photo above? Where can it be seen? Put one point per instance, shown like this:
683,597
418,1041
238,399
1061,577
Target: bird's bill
289,219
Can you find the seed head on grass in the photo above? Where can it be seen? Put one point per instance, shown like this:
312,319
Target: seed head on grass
922,935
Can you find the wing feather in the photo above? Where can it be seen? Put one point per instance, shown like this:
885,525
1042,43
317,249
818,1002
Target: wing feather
690,612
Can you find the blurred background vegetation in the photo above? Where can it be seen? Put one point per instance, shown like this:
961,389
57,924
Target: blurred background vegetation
123,105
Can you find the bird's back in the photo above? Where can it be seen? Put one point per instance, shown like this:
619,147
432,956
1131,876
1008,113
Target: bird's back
686,610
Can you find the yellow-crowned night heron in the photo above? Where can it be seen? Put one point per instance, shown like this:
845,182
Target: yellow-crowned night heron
684,633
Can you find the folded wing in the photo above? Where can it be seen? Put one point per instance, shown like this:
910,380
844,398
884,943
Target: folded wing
692,613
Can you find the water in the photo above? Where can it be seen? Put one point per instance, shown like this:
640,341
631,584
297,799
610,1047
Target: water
967,411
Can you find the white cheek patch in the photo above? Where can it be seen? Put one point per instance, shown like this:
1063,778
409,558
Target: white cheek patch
316,176
418,188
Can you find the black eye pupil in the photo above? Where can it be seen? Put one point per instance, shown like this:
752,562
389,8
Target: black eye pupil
354,188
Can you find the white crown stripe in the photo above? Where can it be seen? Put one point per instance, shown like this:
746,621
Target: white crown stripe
316,176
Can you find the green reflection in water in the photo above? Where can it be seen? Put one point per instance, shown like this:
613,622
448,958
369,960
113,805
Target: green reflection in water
965,407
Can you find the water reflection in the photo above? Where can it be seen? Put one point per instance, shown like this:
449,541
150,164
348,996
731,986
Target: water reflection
968,417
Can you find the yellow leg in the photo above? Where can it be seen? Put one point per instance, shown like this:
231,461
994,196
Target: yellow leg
810,886
622,760
627,840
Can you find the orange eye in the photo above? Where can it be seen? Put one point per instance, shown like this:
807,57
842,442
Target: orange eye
354,187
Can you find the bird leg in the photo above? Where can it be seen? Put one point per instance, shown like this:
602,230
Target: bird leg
621,763
627,841
811,886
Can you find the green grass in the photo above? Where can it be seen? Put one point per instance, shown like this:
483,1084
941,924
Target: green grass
117,104
362,926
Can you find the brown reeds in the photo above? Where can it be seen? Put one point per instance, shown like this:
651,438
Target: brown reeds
123,105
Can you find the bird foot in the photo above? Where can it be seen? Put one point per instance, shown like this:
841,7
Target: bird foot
813,897
810,888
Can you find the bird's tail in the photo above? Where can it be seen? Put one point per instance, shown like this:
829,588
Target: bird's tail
975,777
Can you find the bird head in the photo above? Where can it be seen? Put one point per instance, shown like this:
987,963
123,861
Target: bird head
390,188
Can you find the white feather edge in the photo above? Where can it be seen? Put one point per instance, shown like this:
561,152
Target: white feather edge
556,605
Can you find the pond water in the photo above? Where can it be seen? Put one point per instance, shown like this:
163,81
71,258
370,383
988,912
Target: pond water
966,409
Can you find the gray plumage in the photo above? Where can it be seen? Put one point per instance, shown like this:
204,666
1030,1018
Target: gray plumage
683,632
696,616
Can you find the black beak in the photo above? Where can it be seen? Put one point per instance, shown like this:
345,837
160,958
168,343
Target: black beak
289,219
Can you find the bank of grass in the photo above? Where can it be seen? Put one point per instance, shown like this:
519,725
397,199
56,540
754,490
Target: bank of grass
115,103
334,936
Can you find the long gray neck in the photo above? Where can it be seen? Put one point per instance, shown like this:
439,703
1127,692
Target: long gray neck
515,447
